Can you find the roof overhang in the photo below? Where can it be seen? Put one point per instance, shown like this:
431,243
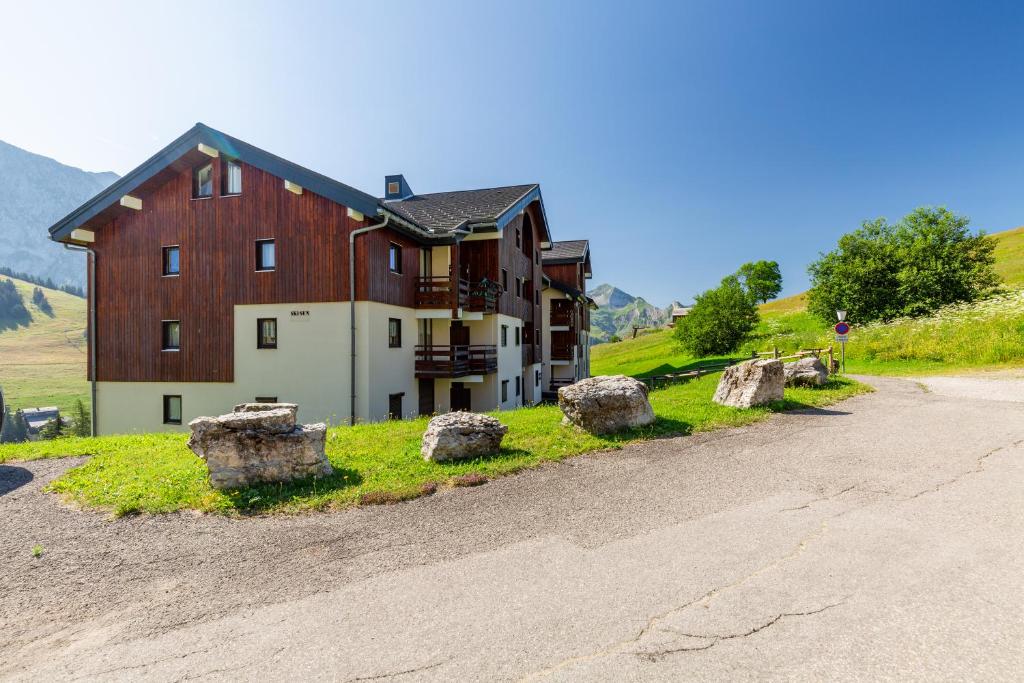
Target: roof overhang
186,151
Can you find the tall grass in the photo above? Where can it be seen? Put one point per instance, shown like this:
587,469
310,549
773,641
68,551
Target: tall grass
981,334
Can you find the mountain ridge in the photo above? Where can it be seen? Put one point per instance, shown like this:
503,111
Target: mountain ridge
618,311
36,192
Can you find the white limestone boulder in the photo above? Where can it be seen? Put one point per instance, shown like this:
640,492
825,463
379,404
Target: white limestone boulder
259,446
749,384
605,404
806,372
461,435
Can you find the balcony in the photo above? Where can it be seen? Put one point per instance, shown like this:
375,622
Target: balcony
561,317
483,296
562,351
439,292
457,360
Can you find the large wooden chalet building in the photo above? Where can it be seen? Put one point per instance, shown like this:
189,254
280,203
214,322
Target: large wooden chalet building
220,274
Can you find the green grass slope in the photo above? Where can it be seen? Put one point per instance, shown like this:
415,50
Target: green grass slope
985,334
1010,256
377,462
44,363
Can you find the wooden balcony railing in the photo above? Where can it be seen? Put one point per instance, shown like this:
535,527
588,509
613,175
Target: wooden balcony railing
438,292
561,351
483,296
561,317
456,360
557,382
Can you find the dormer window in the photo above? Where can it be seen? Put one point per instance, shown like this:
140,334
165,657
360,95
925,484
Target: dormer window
231,177
202,182
394,188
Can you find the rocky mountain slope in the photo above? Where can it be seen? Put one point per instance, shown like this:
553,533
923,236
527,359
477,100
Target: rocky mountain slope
36,192
619,311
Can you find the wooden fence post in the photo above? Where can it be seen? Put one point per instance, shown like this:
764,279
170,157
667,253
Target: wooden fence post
831,361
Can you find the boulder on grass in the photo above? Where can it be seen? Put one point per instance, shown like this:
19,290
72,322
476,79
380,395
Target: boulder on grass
259,446
753,383
806,372
461,435
605,404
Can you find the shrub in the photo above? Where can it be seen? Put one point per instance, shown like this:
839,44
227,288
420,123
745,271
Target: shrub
719,321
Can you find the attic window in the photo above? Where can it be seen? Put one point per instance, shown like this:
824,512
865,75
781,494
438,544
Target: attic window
231,177
394,188
202,182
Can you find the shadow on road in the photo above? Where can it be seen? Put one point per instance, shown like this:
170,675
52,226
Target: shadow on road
12,478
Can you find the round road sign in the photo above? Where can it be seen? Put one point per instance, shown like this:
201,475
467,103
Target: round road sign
842,328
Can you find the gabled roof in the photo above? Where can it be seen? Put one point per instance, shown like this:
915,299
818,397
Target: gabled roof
466,210
568,251
107,201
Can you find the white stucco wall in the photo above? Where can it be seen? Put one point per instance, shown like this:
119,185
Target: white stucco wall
310,366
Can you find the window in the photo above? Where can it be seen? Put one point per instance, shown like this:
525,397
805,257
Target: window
172,263
266,399
231,177
425,332
536,298
395,258
519,288
202,182
504,390
519,238
518,384
504,335
266,333
394,333
517,336
395,406
171,335
172,410
504,280
394,188
266,256
536,258
536,378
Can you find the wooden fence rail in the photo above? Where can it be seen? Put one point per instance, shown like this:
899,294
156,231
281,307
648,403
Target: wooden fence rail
708,368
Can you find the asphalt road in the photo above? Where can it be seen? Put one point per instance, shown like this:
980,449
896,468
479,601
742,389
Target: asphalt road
881,539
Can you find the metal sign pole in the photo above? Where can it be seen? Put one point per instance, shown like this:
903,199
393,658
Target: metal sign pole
844,357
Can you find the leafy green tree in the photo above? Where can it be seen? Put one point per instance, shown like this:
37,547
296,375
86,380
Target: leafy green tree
614,339
761,279
882,271
719,321
82,425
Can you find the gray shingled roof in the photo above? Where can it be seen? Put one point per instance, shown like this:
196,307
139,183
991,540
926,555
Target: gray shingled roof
567,251
447,211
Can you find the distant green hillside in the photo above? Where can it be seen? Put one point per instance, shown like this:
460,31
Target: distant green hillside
985,334
44,363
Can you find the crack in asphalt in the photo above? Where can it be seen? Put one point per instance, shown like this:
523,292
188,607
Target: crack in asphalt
144,665
240,667
395,674
652,622
717,638
978,467
819,500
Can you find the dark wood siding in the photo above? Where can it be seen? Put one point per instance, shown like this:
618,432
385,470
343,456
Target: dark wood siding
217,237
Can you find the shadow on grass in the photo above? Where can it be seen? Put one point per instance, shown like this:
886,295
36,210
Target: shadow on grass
667,368
264,496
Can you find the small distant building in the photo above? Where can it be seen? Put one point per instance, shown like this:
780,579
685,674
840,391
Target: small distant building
680,312
37,418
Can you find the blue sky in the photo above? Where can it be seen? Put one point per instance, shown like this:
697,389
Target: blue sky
681,138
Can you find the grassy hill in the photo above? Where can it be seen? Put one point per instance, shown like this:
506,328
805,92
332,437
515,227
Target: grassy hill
44,363
985,334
